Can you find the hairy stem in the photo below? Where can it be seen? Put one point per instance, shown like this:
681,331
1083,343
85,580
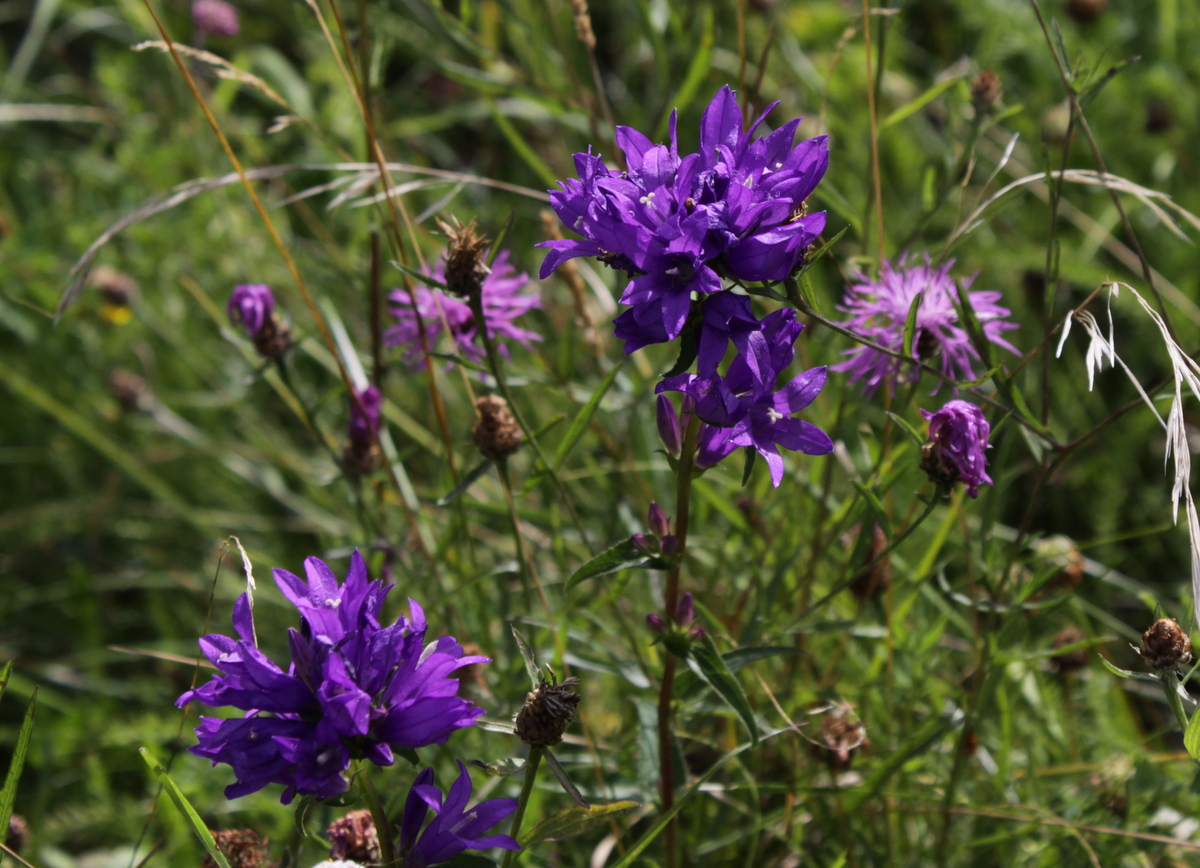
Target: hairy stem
531,770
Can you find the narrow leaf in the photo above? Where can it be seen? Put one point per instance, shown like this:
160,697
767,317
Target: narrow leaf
748,468
531,667
185,808
459,360
5,674
904,425
1113,71
876,506
913,106
1125,673
573,822
563,778
499,768
821,251
584,416
468,479
706,661
419,277
910,325
500,236
623,556
8,796
918,742
740,657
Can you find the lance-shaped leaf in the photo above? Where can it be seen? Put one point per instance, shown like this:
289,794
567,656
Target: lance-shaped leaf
8,796
706,661
573,822
466,482
568,785
185,808
623,556
531,667
500,768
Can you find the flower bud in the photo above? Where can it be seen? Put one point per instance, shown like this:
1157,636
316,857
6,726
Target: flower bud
543,718
1069,661
669,545
668,426
685,610
656,623
656,520
643,543
1165,645
958,438
362,453
986,91
496,433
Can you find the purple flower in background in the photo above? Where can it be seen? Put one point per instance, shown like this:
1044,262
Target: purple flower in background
678,226
453,828
504,299
215,17
879,311
958,440
251,304
353,688
363,428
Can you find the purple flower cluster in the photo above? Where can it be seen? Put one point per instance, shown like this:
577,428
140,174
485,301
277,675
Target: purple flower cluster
253,305
958,440
736,209
743,407
215,17
504,299
879,312
453,828
354,689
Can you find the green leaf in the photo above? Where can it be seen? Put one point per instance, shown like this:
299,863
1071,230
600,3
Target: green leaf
500,768
573,822
697,72
531,667
584,417
907,428
1113,71
876,506
1191,738
913,106
974,329
918,742
819,252
748,468
8,796
1125,673
910,325
564,779
5,674
623,556
740,657
500,236
524,150
459,360
420,277
185,808
706,661
466,482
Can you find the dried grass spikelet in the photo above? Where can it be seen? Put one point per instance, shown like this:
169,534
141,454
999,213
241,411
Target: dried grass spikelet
465,268
583,24
1165,645
244,848
543,718
496,433
355,838
840,735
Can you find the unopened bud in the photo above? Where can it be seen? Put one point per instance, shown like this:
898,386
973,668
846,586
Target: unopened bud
1086,11
656,623
1069,661
1165,645
669,545
986,91
643,543
496,433
668,426
656,520
543,718
127,387
685,610
243,848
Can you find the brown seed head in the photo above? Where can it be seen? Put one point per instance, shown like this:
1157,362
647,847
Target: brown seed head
1086,11
18,833
1166,646
117,288
465,270
357,461
986,90
127,387
841,734
354,837
242,847
496,433
273,340
1070,660
543,718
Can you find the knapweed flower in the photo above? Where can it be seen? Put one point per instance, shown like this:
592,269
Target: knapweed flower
253,305
958,439
453,828
215,17
678,226
362,453
504,299
879,311
353,689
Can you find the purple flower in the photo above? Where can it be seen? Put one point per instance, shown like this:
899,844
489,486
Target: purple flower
363,428
879,311
504,299
215,17
453,828
353,689
679,225
251,304
958,439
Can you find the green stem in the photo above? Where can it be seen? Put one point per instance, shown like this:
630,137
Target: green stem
383,828
531,769
1170,686
522,557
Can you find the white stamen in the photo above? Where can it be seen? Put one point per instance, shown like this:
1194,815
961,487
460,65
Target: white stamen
672,271
774,415
578,223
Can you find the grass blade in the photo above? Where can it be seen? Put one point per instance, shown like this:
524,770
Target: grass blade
185,808
8,796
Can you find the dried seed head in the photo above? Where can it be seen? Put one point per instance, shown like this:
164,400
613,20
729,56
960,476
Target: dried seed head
465,270
1070,660
543,718
117,288
353,837
242,847
127,387
986,90
841,733
1166,646
496,433
18,833
583,24
273,339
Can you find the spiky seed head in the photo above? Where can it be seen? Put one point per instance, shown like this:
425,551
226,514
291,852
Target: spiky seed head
1165,645
354,838
841,734
244,848
496,433
273,339
543,718
465,268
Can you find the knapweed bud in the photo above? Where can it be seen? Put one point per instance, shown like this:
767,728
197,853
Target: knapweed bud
986,91
496,433
465,268
253,305
656,520
362,453
215,17
242,847
18,833
1166,646
668,426
354,837
958,438
543,718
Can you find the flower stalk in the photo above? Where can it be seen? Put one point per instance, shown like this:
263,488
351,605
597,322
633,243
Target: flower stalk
383,828
531,770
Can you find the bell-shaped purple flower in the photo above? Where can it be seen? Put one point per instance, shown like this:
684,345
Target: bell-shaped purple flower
453,828
958,441
353,689
251,304
668,426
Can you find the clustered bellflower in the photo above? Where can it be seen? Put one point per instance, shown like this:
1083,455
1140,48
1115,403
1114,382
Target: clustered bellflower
353,689
453,828
879,311
505,298
680,226
958,440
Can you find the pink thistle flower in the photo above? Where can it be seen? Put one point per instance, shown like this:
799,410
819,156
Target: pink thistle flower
215,17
